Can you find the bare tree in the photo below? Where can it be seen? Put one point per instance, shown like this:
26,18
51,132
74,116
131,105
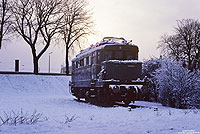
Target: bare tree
77,25
185,43
4,19
53,10
34,19
172,46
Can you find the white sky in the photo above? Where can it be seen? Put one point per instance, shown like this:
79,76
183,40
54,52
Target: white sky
143,21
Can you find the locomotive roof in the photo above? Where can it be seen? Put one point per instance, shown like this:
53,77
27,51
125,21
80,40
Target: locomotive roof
106,41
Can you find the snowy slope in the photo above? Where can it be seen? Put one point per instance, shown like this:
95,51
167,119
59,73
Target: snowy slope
50,95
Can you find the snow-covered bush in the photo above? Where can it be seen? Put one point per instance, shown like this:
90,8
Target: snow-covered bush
177,86
171,84
150,92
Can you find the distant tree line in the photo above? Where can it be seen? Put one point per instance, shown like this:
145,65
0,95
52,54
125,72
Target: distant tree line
174,78
40,22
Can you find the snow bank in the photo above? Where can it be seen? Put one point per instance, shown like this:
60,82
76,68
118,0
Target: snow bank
33,84
49,95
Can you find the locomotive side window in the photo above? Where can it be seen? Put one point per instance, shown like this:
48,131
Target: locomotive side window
90,60
81,62
73,65
77,64
98,56
87,60
93,58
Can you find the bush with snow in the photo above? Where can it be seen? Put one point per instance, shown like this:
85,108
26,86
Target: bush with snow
150,92
177,86
172,84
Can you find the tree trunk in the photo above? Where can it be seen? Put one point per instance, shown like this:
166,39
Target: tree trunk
4,4
35,63
0,40
35,60
67,60
1,31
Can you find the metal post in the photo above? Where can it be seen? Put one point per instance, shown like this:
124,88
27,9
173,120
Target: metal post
50,60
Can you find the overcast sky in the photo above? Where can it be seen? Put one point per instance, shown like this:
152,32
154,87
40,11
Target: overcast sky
143,21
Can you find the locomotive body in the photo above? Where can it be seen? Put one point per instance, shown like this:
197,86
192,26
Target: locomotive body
107,72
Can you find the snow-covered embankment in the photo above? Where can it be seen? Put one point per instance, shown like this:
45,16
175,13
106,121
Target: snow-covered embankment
50,96
33,84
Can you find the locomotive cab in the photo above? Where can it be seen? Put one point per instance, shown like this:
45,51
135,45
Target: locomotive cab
108,72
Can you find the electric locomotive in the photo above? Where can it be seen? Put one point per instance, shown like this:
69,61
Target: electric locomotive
107,72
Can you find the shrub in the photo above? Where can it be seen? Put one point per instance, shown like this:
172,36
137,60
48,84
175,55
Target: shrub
177,86
16,118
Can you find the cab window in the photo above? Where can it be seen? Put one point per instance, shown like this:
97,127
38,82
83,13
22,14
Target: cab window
129,55
118,55
108,55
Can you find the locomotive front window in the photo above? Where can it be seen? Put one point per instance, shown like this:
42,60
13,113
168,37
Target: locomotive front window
108,55
129,55
118,55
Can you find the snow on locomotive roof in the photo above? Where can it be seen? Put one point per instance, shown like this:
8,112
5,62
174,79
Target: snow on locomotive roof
124,61
106,41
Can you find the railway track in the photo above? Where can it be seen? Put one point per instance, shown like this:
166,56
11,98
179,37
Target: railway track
120,104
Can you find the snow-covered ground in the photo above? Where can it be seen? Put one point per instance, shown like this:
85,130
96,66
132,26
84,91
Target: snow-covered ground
50,96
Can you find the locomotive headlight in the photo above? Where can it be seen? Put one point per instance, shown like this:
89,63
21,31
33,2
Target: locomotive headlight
116,89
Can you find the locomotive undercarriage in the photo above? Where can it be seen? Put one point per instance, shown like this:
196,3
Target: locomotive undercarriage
108,94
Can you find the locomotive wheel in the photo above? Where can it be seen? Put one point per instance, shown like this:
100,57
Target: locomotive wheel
103,96
127,100
107,97
88,97
76,93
